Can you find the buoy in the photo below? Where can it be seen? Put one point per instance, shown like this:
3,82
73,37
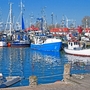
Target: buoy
9,44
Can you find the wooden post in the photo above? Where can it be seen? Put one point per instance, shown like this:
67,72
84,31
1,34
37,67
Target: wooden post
33,81
66,72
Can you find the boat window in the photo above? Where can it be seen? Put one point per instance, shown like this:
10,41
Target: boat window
71,44
75,43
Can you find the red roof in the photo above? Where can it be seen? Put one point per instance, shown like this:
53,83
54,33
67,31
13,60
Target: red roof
80,29
87,29
65,29
33,28
55,30
59,30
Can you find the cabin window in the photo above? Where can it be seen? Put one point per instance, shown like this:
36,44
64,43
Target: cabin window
71,44
76,43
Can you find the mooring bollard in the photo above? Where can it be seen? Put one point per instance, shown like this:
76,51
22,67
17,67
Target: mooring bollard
32,81
66,74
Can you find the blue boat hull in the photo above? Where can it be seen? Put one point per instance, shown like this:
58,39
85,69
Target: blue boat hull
47,47
20,45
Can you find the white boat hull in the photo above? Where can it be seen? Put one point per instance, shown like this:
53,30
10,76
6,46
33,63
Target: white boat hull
3,44
82,52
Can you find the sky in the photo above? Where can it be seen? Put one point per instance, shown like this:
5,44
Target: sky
72,9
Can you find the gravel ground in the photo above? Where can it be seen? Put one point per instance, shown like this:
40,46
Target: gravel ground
76,82
53,86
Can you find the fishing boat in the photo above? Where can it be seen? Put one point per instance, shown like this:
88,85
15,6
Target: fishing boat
77,48
18,43
8,81
43,43
20,37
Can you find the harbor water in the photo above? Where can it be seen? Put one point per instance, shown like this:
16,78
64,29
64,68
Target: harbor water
47,66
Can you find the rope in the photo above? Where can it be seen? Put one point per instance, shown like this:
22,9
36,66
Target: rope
51,76
45,76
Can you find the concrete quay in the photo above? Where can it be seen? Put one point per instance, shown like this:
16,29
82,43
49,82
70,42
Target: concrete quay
75,82
69,82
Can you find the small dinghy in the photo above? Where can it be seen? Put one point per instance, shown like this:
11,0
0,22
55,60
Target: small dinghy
8,81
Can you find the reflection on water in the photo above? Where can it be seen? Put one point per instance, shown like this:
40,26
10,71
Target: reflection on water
47,66
79,64
13,62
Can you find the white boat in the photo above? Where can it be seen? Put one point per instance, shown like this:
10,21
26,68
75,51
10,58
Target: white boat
3,40
3,44
44,43
74,48
8,81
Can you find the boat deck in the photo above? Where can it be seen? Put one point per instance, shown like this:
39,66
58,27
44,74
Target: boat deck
76,82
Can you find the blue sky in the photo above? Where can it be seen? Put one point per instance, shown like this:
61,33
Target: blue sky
73,9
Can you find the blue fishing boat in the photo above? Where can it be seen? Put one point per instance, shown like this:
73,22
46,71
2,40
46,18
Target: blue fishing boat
44,43
20,39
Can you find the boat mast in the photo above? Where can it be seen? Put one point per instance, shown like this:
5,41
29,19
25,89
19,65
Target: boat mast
44,18
21,11
10,18
19,20
52,18
63,22
22,7
1,21
31,19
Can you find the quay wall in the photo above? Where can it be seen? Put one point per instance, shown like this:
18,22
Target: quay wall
69,82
